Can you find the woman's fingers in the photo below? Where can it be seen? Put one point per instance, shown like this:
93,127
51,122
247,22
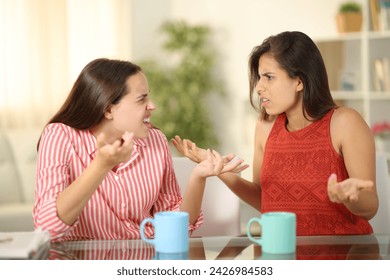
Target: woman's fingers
117,152
127,138
332,190
234,164
228,158
365,185
347,190
218,162
178,143
185,148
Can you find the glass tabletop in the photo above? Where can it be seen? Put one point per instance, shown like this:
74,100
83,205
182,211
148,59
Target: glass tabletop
366,247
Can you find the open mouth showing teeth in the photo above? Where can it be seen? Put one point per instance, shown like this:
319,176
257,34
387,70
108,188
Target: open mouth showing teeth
146,120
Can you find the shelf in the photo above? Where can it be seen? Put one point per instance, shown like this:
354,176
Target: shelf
350,62
347,95
379,34
352,36
358,95
380,95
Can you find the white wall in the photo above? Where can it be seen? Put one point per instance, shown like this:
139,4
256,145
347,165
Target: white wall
238,26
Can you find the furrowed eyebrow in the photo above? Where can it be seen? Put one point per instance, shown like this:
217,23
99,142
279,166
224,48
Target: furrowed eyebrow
142,96
266,74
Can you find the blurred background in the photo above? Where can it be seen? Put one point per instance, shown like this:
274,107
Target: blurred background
46,43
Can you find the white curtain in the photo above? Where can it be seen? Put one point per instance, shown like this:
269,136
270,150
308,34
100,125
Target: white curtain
44,44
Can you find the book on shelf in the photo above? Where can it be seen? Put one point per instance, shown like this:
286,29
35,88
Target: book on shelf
385,14
386,74
375,14
382,74
380,15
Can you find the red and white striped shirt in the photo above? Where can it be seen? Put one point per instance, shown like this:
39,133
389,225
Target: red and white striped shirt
139,188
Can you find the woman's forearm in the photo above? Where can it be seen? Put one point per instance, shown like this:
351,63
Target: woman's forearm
366,206
193,196
244,189
71,202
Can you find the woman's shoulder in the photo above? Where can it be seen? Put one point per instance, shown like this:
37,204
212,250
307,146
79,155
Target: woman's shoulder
157,136
344,116
347,123
155,132
57,136
58,128
263,129
60,133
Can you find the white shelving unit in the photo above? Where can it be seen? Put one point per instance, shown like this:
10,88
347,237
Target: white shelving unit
349,59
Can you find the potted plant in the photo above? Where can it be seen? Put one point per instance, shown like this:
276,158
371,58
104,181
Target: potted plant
381,131
349,17
182,81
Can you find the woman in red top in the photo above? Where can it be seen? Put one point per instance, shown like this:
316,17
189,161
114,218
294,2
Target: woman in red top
311,157
103,168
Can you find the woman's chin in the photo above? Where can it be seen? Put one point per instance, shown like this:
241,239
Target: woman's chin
142,134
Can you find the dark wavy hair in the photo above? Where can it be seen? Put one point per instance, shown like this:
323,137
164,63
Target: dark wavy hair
100,84
299,56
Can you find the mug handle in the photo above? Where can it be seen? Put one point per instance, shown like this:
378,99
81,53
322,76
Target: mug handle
256,240
142,230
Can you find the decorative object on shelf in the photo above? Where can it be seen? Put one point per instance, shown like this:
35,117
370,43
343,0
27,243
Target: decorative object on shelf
366,55
347,81
381,131
349,17
182,82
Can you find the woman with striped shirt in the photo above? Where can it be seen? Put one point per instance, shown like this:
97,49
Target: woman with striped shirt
103,168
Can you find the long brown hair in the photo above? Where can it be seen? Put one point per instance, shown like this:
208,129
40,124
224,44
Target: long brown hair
299,56
100,84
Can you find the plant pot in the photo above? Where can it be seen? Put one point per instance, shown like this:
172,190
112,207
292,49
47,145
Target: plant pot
349,22
382,144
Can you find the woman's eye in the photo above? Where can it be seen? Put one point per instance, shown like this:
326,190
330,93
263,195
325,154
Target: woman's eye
266,76
142,98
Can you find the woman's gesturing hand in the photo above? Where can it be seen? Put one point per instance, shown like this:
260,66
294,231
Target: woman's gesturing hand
112,154
347,190
189,149
231,163
215,164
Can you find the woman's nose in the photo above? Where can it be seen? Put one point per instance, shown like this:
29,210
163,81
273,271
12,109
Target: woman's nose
259,87
150,105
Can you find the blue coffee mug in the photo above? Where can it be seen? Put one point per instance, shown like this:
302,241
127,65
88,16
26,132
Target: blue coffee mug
170,232
171,256
278,232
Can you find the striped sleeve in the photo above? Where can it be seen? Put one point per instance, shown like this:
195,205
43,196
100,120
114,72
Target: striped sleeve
52,178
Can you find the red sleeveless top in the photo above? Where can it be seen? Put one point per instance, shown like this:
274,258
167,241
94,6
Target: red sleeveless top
294,178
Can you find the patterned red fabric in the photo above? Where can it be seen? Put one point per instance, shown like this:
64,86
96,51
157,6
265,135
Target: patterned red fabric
294,177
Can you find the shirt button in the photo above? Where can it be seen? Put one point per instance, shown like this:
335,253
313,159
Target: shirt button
117,178
123,205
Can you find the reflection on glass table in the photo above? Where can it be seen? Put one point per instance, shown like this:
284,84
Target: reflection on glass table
367,247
